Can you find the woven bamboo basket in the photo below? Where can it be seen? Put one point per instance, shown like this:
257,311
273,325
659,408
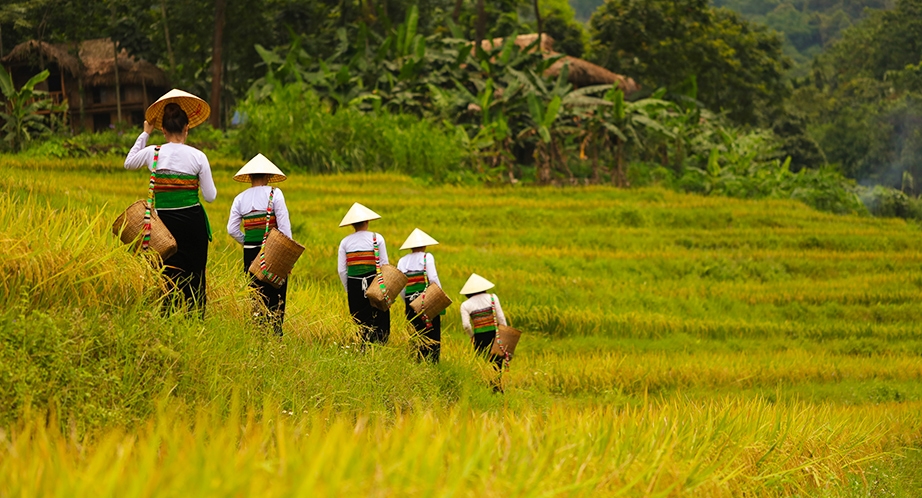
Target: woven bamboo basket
129,225
394,282
432,301
509,337
281,254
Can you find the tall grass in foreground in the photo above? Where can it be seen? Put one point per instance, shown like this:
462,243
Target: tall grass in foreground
715,448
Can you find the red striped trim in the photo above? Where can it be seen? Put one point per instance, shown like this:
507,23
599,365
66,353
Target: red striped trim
360,258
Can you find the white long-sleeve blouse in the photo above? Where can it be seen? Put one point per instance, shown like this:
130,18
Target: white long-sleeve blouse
413,262
256,199
480,303
358,241
178,158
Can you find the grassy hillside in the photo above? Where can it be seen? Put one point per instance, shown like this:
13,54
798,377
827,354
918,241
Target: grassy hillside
675,345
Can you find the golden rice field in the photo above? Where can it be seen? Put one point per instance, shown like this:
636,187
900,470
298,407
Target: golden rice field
676,345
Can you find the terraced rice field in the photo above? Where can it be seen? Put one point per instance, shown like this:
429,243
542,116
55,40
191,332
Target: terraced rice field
676,345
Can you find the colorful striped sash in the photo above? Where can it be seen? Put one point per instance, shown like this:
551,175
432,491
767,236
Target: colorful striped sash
416,282
175,190
360,263
483,320
254,226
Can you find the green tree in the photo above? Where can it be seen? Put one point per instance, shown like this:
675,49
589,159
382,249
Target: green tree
739,66
862,103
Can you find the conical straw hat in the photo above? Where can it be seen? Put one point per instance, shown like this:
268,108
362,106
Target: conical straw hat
196,108
357,214
260,165
418,238
476,284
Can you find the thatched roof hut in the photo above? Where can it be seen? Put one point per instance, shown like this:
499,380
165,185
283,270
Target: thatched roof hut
522,41
584,73
83,75
32,51
100,70
581,72
98,63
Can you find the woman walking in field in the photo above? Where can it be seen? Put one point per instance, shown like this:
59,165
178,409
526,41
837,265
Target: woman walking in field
360,253
178,172
419,267
261,208
481,316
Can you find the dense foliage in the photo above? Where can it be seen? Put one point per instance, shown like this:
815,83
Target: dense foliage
808,27
712,116
307,135
737,66
863,101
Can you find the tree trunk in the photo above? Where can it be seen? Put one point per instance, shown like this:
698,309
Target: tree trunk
79,79
481,27
543,156
538,19
618,177
166,36
562,160
82,105
510,161
596,175
217,52
118,86
455,14
679,156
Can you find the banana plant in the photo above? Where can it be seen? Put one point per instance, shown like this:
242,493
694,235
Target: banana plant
21,112
543,118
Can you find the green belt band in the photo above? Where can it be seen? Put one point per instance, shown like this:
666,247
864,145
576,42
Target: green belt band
181,199
359,270
254,236
178,199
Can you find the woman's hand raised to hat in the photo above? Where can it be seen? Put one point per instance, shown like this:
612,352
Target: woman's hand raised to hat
148,128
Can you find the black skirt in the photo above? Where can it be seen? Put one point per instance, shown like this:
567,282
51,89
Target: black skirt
186,269
273,298
483,343
430,345
376,324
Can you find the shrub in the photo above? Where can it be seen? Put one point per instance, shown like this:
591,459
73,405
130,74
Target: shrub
888,202
293,127
118,142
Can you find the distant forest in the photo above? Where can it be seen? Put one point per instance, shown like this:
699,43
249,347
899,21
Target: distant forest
808,26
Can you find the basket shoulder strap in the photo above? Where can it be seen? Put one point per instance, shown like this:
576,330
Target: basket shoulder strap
374,243
493,307
379,274
268,214
263,264
153,174
268,217
425,269
145,240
